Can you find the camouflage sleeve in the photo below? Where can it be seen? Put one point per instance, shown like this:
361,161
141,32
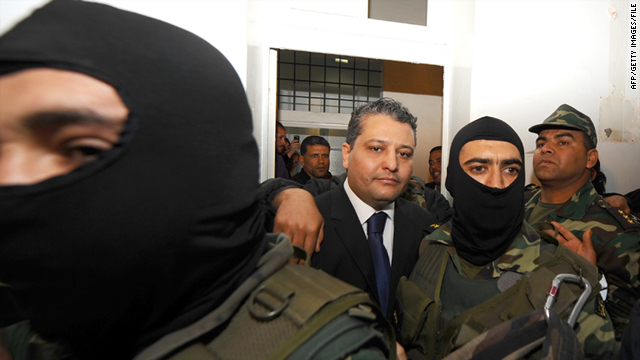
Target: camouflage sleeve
616,240
428,199
595,332
414,192
619,259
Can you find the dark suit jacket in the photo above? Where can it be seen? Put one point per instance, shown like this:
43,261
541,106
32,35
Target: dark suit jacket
301,178
345,253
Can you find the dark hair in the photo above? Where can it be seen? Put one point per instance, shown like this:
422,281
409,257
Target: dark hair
435,149
279,125
384,106
313,140
293,156
600,179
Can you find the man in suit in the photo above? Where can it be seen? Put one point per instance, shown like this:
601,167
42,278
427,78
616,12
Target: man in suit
378,155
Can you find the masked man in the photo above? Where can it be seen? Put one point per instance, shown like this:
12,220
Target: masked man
117,229
477,270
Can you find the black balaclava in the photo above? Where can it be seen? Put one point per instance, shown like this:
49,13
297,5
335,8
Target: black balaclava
160,229
485,220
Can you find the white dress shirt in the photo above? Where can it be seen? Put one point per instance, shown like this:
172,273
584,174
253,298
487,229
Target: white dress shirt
365,211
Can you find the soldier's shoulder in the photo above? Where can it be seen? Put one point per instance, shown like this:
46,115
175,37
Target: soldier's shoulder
414,192
416,212
600,210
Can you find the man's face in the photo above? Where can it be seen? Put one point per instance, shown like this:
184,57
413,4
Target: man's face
561,157
381,161
316,161
52,121
435,163
493,163
281,142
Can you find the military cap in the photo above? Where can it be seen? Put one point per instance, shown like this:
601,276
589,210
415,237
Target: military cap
566,116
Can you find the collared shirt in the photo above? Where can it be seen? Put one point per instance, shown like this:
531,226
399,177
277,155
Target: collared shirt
365,211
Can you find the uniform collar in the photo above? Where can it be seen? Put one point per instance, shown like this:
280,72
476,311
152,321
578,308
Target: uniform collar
575,208
521,256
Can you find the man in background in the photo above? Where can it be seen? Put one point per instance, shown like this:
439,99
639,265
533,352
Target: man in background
435,163
314,158
281,149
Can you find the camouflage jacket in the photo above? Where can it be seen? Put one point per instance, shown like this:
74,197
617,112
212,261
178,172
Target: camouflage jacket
616,239
428,199
594,331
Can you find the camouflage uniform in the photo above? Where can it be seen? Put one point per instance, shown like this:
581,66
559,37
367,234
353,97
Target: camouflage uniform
616,239
616,236
414,192
594,331
428,199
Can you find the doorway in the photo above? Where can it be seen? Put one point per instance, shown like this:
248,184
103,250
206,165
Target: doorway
315,93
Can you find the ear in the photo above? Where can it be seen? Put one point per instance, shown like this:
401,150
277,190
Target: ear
301,160
592,158
346,150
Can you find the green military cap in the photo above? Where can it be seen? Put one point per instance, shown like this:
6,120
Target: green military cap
566,116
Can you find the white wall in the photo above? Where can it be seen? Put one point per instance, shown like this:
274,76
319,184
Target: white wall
220,22
11,11
532,56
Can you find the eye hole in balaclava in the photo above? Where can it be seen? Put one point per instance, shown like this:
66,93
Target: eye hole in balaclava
493,163
54,121
486,218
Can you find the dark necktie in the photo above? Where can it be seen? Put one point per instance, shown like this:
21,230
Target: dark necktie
375,227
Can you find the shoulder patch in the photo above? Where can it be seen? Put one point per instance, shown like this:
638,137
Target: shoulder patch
626,221
600,307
